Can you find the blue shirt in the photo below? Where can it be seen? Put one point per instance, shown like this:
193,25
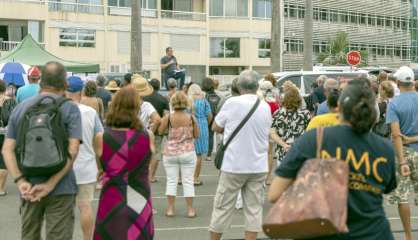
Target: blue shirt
72,120
403,109
26,92
322,108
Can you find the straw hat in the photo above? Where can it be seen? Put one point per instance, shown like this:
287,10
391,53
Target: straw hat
112,86
141,85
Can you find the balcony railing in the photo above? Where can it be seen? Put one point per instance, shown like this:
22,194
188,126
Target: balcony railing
26,1
55,6
179,15
6,46
126,11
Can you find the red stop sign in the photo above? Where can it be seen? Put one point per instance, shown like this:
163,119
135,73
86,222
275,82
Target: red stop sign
353,58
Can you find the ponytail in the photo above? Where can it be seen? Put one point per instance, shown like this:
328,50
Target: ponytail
358,103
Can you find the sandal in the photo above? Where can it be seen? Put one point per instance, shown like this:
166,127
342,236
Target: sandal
154,180
3,194
192,215
170,215
199,183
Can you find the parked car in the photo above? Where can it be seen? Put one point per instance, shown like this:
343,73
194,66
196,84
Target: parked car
305,79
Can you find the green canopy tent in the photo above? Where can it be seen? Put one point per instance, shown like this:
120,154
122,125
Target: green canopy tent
31,53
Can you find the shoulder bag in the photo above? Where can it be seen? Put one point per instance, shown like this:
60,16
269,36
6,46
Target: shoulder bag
222,147
315,205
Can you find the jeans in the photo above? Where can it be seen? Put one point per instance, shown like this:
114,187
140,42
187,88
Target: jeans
186,163
180,77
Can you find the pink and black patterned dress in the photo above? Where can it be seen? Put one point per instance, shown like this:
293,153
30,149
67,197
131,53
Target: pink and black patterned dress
125,208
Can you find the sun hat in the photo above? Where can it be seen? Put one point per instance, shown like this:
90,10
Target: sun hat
141,85
405,74
75,84
34,72
112,86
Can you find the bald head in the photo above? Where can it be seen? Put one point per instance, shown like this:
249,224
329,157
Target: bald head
247,82
54,76
331,83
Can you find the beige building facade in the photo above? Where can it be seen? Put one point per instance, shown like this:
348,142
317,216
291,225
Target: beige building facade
209,37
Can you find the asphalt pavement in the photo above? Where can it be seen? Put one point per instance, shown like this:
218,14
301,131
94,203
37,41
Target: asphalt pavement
179,227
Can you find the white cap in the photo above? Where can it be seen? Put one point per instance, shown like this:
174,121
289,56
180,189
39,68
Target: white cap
405,74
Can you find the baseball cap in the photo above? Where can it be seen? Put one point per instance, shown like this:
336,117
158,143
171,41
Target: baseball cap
405,74
34,72
75,84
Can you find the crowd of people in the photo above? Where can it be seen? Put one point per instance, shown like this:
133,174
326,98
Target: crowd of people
117,134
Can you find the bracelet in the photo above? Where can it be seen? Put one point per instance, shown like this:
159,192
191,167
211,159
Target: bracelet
19,178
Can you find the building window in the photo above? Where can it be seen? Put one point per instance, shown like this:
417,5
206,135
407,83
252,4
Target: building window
301,12
324,14
333,16
293,46
380,21
262,8
229,8
225,47
70,37
353,18
147,4
263,48
120,3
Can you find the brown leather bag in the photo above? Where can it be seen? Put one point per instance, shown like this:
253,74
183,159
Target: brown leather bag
315,204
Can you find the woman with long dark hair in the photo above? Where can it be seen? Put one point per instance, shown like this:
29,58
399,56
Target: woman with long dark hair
371,161
127,151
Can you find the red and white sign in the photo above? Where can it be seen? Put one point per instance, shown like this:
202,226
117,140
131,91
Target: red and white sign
353,58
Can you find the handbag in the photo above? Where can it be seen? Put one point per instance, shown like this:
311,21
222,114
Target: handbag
219,157
315,205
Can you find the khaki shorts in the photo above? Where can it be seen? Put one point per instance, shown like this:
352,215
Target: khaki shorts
86,192
405,184
252,189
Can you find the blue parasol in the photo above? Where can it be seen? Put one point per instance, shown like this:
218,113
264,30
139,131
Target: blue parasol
14,72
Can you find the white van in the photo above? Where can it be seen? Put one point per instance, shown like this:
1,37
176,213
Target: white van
305,79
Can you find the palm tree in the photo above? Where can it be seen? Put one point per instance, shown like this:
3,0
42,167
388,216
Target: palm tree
276,43
337,49
136,37
308,35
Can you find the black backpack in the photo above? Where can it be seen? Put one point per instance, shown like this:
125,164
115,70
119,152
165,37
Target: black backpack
5,111
382,128
214,101
42,141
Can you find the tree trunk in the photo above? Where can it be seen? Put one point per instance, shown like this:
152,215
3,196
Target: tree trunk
308,35
276,38
136,37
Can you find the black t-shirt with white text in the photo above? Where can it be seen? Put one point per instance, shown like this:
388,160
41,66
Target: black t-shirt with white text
371,161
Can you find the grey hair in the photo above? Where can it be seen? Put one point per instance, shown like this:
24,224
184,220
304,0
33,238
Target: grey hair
247,81
321,79
331,83
101,80
171,83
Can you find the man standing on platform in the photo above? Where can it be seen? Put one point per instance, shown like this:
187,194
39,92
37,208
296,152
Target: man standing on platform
171,68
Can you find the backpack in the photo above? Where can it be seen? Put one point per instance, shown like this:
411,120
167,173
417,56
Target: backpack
214,101
310,103
5,111
42,141
382,128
